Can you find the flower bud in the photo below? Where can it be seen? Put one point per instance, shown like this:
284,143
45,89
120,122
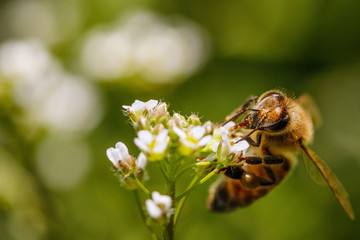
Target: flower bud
142,124
177,120
209,127
129,183
158,128
160,114
193,119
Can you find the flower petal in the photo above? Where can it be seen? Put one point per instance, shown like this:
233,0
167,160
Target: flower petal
205,140
215,146
145,136
114,156
160,147
162,200
179,132
141,161
153,209
225,149
197,132
138,106
162,136
155,195
228,125
141,145
240,146
165,201
225,136
149,105
123,150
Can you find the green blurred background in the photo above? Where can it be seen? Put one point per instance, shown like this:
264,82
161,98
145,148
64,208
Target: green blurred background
67,67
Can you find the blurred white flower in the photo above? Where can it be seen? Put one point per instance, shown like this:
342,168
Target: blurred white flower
24,60
62,164
108,55
146,44
159,206
50,21
154,146
50,96
61,102
192,139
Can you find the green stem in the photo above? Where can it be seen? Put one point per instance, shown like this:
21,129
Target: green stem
143,217
199,164
162,170
210,175
169,228
204,179
146,191
171,168
182,201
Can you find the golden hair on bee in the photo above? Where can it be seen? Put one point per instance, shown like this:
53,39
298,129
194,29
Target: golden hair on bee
277,127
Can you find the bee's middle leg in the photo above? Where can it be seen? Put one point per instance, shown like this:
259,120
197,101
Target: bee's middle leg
267,160
249,179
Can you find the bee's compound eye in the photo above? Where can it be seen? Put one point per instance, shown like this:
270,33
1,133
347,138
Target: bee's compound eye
249,180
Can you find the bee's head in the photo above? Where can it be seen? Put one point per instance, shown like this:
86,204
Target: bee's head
269,113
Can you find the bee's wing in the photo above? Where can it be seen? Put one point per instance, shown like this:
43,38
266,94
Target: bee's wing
312,170
333,182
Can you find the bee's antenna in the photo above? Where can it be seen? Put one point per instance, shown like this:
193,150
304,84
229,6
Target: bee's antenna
246,136
241,110
234,117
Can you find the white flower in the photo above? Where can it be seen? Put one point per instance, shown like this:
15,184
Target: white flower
159,206
232,146
222,134
192,139
139,108
154,146
120,157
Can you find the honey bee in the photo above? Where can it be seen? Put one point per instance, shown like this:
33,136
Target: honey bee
276,127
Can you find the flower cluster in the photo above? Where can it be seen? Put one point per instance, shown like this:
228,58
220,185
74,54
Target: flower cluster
157,131
172,140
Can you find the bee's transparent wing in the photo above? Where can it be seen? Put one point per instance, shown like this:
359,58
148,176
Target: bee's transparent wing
333,182
313,171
